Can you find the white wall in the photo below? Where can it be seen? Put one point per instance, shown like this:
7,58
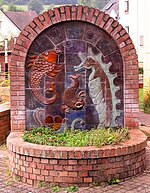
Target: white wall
134,19
146,22
7,28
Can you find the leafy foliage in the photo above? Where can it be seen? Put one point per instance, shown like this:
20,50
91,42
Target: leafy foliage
141,70
71,189
35,5
94,3
113,181
141,98
147,101
12,7
1,4
46,2
94,137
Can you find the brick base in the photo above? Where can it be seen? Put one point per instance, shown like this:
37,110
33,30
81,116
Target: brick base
76,166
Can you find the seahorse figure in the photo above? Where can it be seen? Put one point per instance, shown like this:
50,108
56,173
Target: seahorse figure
72,99
96,90
45,64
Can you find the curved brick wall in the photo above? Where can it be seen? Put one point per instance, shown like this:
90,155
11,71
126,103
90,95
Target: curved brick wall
4,123
74,13
76,166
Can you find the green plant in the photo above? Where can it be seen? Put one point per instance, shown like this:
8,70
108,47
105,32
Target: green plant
55,189
94,137
113,181
147,101
141,105
41,184
141,71
71,189
6,80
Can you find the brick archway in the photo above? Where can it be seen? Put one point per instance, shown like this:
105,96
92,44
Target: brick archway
73,13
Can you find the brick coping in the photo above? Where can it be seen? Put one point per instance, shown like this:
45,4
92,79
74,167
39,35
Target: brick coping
136,143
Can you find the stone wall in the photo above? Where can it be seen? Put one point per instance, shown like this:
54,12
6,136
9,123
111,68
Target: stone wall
4,123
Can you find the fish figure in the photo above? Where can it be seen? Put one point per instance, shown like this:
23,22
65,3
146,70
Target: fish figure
72,99
45,64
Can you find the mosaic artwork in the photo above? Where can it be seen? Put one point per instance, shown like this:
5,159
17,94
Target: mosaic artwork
74,78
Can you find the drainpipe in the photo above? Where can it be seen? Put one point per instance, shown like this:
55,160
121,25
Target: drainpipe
6,56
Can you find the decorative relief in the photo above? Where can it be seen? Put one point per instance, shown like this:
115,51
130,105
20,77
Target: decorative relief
45,64
78,83
96,90
54,32
89,34
72,99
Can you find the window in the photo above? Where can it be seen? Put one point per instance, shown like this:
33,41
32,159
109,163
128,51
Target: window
126,6
127,29
141,40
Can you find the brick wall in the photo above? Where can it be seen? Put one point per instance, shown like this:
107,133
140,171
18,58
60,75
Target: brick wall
4,124
83,166
79,13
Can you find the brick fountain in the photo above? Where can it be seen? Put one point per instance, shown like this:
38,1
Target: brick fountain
74,67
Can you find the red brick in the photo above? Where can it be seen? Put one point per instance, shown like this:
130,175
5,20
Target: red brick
104,20
49,179
51,13
90,15
53,162
53,173
44,173
73,174
49,167
41,178
88,180
36,171
116,30
44,161
58,167
29,181
99,19
65,173
62,9
47,22
58,179
74,13
97,12
68,15
57,14
33,176
79,12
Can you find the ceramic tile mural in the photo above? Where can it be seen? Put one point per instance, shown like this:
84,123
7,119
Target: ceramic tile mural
74,78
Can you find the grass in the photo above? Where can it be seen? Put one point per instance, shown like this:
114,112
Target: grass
141,105
94,137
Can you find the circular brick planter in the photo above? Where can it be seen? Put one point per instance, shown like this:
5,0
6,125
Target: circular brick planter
76,166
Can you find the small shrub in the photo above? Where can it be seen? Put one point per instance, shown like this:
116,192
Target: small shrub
71,189
141,98
113,181
147,101
94,137
141,70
